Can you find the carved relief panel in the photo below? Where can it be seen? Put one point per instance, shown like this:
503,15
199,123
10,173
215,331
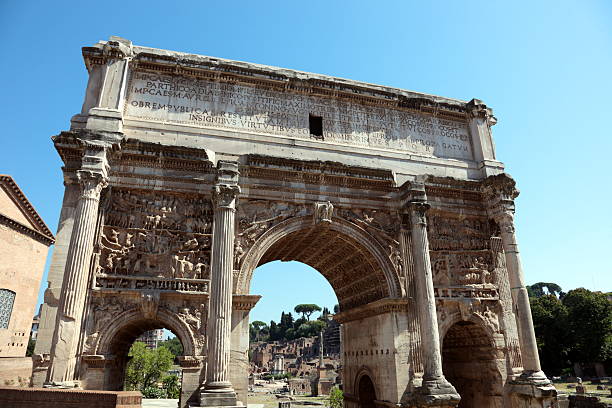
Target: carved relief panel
148,234
459,250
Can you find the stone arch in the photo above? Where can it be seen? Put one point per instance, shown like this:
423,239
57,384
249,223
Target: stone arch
345,234
123,327
452,319
471,360
365,388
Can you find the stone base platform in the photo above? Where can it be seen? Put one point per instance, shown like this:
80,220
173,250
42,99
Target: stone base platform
14,397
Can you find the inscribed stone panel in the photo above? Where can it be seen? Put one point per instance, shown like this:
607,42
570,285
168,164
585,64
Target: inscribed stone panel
207,104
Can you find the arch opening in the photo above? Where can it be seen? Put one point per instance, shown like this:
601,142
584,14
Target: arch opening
355,264
130,370
366,392
469,362
285,342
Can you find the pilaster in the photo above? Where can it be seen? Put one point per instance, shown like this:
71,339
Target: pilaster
218,390
435,390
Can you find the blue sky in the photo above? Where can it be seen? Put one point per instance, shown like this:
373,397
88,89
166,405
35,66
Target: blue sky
543,66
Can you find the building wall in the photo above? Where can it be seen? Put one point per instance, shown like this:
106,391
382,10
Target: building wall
21,268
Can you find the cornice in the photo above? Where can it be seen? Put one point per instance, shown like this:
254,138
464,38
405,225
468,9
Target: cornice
286,80
47,240
244,302
375,308
317,172
13,190
154,155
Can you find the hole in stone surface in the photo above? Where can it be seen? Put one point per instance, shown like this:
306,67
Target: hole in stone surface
316,126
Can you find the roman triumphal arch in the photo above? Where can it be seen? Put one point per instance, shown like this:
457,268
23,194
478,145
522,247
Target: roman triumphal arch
183,173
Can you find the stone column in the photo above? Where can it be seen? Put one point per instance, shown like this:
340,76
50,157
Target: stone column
500,192
435,390
74,287
218,390
529,347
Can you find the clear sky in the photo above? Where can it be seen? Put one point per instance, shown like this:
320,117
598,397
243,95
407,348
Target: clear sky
543,66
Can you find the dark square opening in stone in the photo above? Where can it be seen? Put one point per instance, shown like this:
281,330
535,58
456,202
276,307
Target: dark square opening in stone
316,125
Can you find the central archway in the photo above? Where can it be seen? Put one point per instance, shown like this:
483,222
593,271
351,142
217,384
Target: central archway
356,265
362,274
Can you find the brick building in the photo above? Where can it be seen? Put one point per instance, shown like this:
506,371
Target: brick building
24,243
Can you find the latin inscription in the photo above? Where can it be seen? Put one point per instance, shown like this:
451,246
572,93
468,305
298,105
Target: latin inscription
176,99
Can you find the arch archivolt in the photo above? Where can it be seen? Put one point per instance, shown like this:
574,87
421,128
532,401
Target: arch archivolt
112,332
354,261
482,314
365,371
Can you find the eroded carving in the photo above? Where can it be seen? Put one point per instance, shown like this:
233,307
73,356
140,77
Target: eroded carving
155,235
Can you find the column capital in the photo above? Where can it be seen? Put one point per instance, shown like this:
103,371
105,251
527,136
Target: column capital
92,183
226,188
418,212
499,188
224,196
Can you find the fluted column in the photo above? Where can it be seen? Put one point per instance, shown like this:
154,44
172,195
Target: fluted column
218,389
74,286
435,387
500,192
529,347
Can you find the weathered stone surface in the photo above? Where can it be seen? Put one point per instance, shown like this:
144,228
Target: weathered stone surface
216,167
24,242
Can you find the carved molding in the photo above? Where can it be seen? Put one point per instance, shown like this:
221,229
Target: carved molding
388,305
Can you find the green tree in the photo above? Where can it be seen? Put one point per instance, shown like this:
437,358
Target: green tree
174,345
146,367
172,386
286,323
274,331
30,349
589,325
306,309
336,398
257,329
537,289
550,324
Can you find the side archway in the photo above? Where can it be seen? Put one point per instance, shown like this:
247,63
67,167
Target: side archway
471,362
356,265
365,389
128,325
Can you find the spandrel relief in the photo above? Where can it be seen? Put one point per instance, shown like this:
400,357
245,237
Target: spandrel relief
255,217
383,226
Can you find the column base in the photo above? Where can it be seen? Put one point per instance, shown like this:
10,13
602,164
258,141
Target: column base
219,398
537,378
532,395
436,392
